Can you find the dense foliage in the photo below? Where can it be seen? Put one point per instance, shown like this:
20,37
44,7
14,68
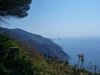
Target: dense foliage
14,8
12,62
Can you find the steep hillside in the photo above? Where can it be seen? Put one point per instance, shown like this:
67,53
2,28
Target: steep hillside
21,58
44,45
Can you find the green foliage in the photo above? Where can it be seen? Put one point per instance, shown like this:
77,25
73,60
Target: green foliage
20,58
12,62
6,41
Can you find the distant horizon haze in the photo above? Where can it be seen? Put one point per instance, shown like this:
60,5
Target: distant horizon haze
60,37
60,19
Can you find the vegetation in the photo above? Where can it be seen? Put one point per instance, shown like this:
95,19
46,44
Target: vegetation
14,8
12,61
44,45
21,58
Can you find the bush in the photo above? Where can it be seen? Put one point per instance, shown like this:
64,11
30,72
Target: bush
12,61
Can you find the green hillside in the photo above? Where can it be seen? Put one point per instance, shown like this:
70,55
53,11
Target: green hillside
21,58
27,59
44,45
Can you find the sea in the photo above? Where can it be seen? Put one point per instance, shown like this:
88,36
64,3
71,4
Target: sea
90,47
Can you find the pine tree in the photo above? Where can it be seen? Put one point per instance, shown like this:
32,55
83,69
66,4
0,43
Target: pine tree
14,8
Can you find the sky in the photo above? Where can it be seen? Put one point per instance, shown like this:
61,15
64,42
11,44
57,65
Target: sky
60,18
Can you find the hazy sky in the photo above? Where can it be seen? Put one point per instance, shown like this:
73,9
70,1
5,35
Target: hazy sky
61,18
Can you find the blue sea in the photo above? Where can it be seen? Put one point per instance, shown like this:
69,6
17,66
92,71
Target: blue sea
90,47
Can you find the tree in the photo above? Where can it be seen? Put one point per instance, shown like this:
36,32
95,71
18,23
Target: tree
14,8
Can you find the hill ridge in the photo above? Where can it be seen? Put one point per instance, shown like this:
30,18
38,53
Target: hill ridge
44,45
